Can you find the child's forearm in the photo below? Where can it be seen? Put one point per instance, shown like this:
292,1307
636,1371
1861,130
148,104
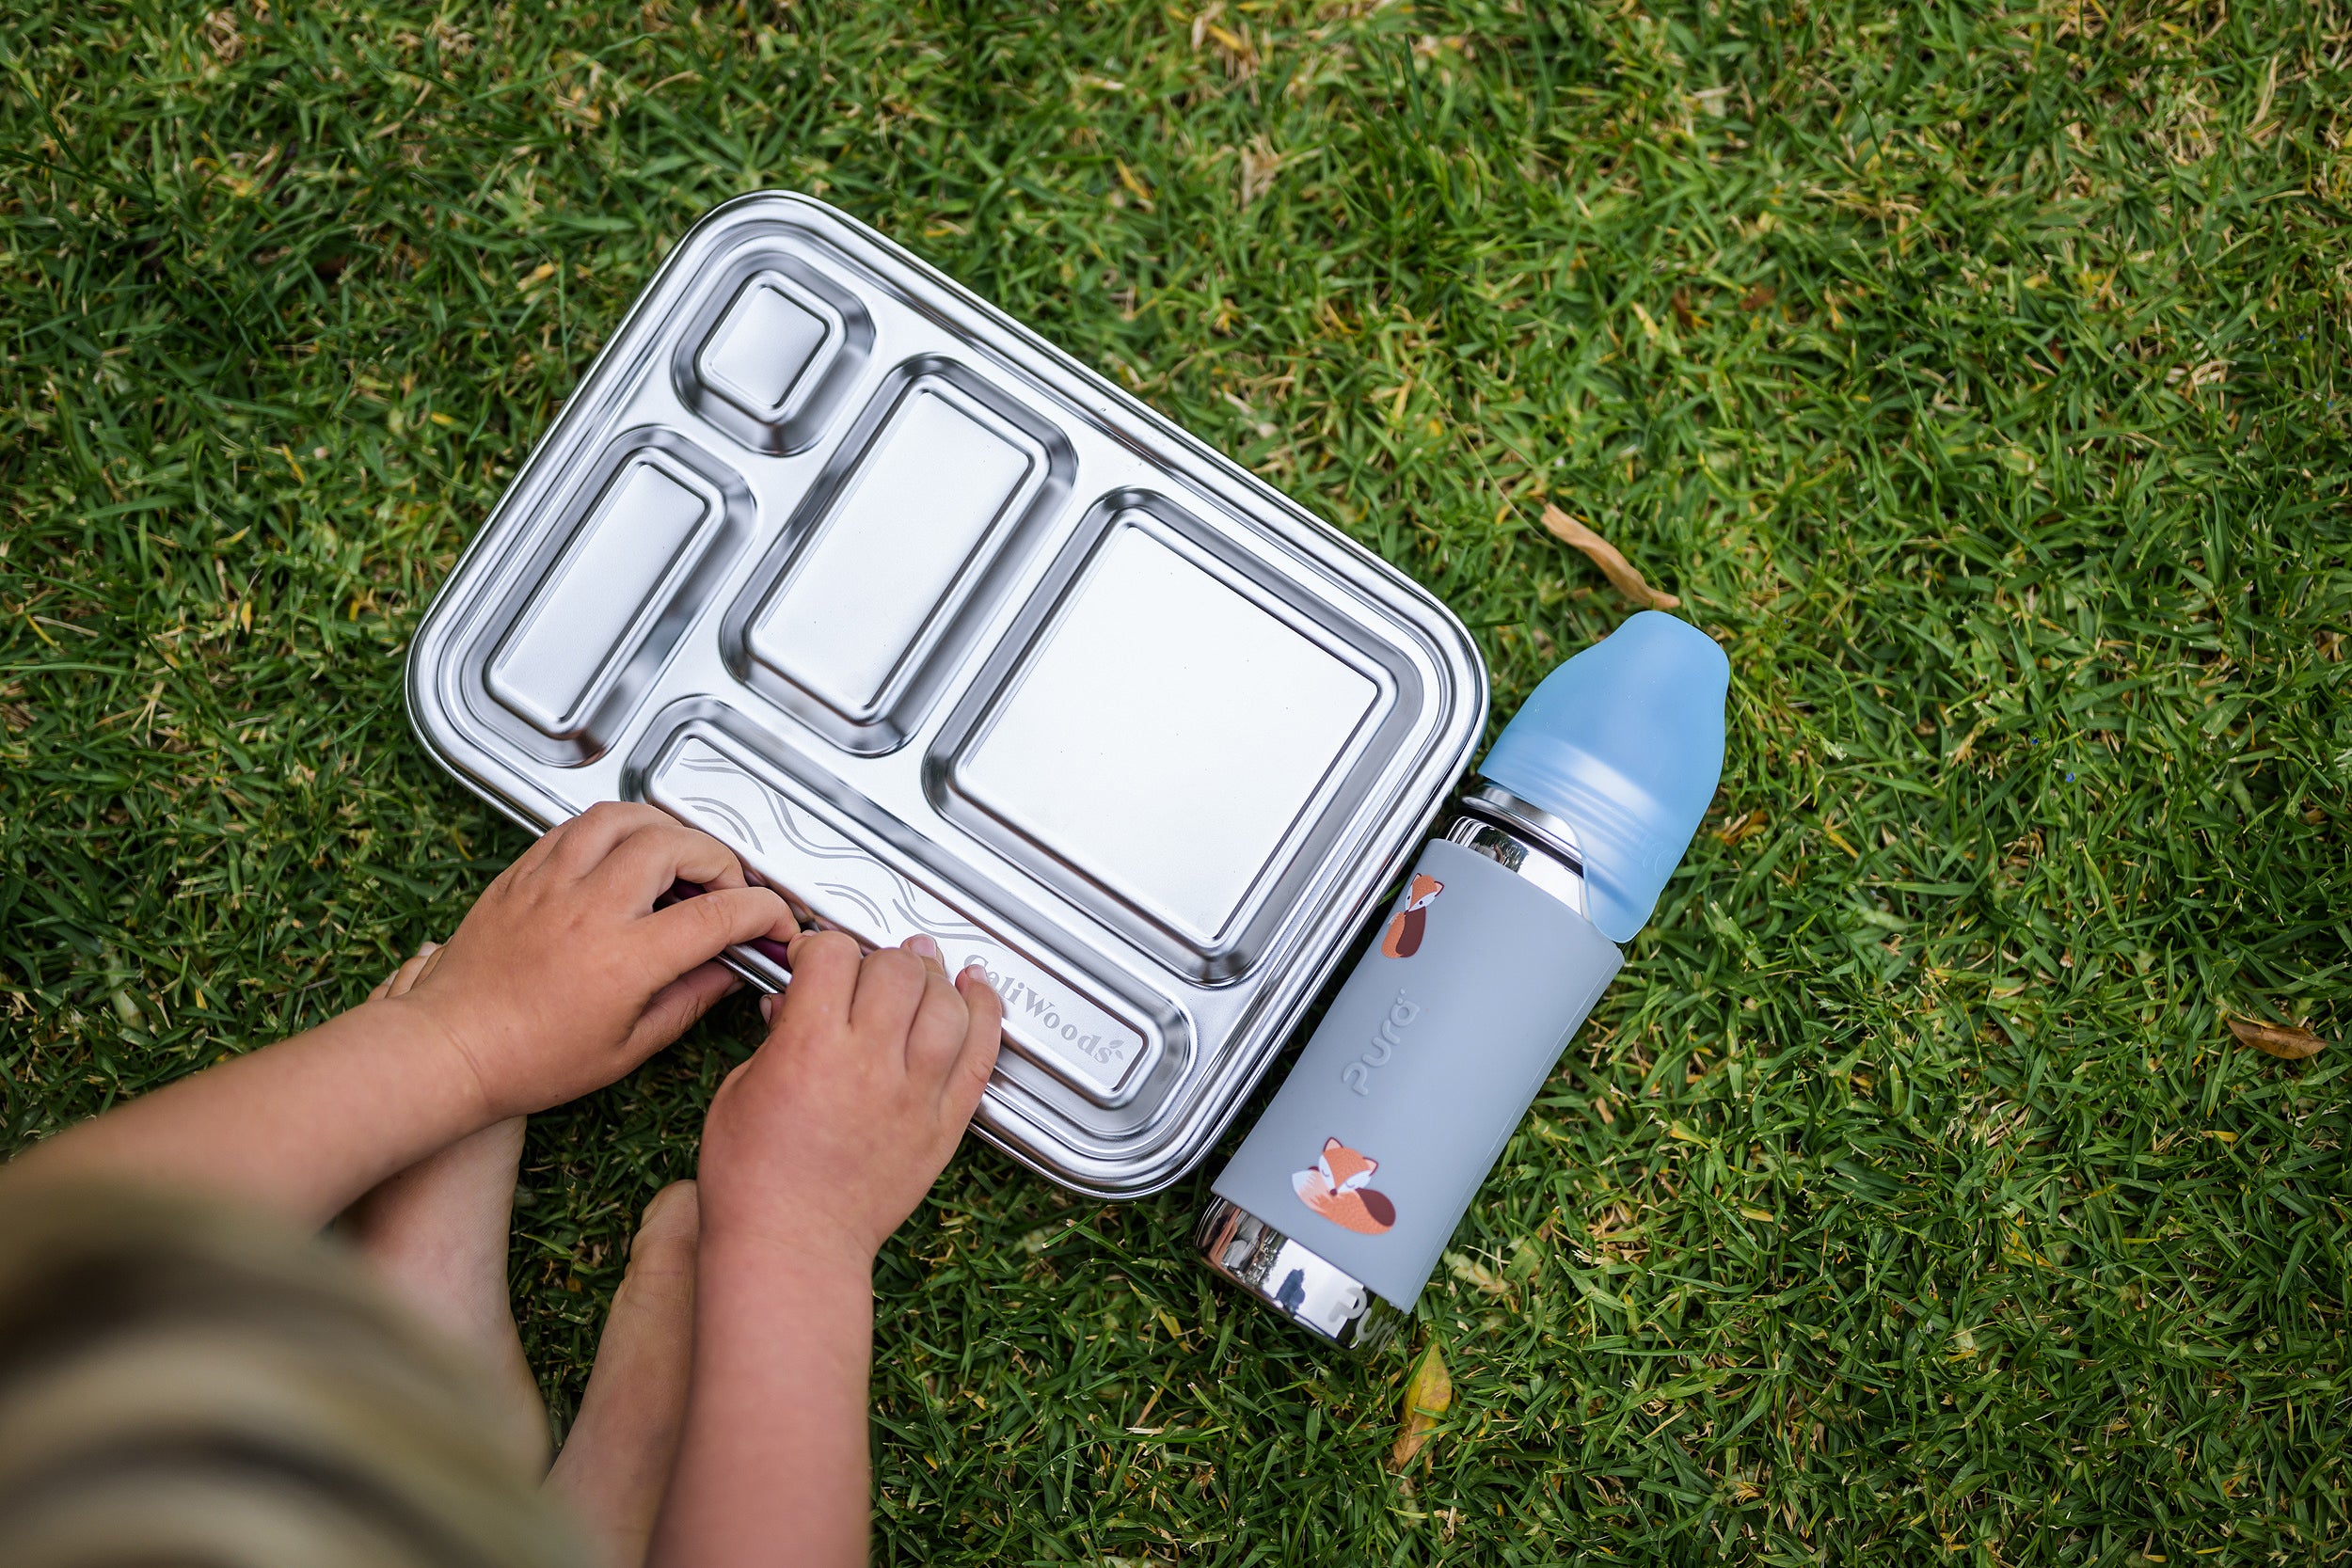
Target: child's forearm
772,1465
303,1127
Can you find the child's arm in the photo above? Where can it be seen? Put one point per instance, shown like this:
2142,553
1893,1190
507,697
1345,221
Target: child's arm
560,979
815,1150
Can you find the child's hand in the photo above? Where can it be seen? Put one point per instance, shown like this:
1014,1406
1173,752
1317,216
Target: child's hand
564,976
831,1134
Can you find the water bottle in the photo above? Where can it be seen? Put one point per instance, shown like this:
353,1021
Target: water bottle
1339,1203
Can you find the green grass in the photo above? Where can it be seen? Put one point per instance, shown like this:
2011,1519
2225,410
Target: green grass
1975,373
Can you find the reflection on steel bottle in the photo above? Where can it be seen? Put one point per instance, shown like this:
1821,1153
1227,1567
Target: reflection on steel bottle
1337,1206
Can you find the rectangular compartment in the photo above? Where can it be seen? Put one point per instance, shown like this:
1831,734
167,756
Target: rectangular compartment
623,563
919,510
1166,731
937,479
715,782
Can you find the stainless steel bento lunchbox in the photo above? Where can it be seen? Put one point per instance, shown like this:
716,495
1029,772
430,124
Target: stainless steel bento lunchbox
943,632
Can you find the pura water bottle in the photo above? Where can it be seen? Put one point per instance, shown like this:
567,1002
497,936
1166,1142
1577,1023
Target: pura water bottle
1337,1206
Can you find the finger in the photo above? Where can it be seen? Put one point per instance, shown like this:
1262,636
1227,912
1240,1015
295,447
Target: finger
576,847
824,980
983,1037
695,931
676,1005
652,861
889,989
937,1037
668,851
925,948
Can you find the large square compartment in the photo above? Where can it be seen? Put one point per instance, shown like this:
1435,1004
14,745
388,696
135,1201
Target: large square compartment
1170,739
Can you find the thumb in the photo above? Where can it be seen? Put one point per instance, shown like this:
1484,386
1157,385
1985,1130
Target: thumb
676,1005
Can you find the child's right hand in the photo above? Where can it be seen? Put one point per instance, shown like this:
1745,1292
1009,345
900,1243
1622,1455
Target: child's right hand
828,1137
564,976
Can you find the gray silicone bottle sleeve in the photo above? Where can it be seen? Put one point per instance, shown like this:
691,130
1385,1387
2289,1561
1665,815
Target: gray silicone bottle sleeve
1434,1049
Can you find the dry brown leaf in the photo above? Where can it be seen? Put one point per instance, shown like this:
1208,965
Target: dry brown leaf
1614,565
1742,827
1428,1394
2289,1045
1759,298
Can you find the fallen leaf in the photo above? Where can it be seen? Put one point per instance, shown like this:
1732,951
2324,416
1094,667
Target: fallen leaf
1684,317
1259,163
1741,829
1428,1394
1759,298
1614,565
1134,181
1476,1275
2288,1045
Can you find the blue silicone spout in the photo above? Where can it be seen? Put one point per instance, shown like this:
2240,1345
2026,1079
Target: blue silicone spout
1625,741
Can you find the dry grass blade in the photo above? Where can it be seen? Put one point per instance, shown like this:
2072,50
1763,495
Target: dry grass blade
2288,1045
1428,1394
1613,564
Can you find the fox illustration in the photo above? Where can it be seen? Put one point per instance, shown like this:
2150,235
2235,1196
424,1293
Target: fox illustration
1335,1189
1403,937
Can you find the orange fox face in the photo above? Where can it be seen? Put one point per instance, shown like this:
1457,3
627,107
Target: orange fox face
1335,1188
1403,937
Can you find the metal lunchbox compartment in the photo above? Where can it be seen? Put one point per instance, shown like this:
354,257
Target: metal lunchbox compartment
943,632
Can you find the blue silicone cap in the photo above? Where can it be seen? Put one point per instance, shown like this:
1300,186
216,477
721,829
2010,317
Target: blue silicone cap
1625,741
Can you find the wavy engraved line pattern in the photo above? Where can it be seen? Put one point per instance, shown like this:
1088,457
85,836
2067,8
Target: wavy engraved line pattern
805,838
953,926
815,838
733,818
879,929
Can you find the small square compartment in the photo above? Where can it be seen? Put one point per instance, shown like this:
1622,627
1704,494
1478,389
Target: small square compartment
1168,739
762,348
770,349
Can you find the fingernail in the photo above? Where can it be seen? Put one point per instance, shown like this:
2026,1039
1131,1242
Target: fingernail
767,1008
977,972
922,946
428,949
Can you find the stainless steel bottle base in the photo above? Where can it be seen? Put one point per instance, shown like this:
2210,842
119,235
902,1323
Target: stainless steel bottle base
1298,1283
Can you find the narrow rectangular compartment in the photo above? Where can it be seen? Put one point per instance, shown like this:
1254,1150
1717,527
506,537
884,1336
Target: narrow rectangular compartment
622,563
917,518
1163,735
935,480
825,860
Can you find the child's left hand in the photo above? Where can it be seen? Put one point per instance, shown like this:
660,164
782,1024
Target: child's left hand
564,976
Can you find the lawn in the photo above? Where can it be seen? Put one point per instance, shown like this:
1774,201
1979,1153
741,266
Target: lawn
1975,373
